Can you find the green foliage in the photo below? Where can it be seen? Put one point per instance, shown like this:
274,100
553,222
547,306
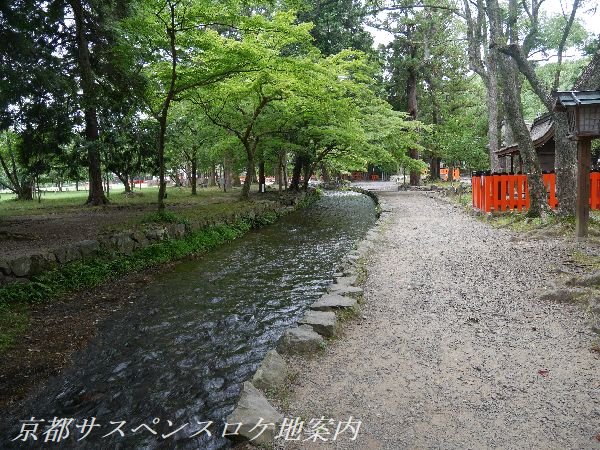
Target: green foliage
184,86
338,25
164,217
14,320
551,30
570,71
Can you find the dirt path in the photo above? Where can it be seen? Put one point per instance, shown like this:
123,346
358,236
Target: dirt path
454,350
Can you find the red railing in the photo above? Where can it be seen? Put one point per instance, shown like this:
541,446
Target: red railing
510,192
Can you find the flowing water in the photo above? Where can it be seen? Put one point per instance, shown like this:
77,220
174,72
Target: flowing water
197,332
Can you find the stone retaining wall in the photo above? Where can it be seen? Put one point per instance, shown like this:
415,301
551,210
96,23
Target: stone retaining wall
123,242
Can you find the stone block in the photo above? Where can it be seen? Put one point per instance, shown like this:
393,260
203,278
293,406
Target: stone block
271,373
323,322
298,340
253,408
332,302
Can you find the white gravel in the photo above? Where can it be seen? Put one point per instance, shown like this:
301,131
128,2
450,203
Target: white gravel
451,342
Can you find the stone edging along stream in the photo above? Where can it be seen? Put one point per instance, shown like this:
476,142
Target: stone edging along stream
127,242
319,323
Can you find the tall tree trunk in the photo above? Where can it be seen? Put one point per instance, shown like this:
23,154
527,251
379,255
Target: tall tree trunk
411,93
262,183
248,180
492,99
279,174
284,169
194,175
325,173
125,180
507,71
514,115
296,173
25,191
589,80
434,168
307,174
162,184
96,193
565,165
227,173
212,176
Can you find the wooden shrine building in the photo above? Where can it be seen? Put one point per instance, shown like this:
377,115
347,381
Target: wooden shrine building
542,135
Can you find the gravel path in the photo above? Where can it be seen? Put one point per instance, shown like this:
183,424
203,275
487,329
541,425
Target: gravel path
454,350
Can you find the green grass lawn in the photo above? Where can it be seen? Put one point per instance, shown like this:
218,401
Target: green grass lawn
65,202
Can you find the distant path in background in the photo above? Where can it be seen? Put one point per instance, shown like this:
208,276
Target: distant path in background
380,186
454,349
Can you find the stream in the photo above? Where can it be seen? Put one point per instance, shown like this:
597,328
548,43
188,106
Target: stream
195,333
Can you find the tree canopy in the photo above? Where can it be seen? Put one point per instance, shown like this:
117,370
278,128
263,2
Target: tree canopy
181,90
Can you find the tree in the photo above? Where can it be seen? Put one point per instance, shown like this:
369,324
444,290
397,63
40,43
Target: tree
128,149
483,60
192,44
338,25
557,32
419,52
89,96
511,89
192,139
15,178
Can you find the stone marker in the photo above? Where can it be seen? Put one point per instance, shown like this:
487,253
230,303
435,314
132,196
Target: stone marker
331,302
323,322
302,339
251,408
271,373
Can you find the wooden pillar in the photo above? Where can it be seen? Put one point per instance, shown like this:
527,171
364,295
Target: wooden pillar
262,185
584,150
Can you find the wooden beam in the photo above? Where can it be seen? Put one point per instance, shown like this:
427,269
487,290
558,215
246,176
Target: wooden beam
584,154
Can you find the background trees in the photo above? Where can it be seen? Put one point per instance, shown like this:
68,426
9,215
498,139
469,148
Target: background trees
197,89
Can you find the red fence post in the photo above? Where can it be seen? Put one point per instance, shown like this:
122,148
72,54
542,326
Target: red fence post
550,184
487,193
475,189
595,190
503,182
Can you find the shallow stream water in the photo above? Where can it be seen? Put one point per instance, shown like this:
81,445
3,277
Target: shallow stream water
196,333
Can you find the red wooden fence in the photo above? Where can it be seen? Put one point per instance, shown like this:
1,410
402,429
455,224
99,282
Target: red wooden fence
510,192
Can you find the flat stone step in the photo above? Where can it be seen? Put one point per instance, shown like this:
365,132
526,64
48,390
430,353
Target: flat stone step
348,280
323,322
297,340
343,289
331,302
